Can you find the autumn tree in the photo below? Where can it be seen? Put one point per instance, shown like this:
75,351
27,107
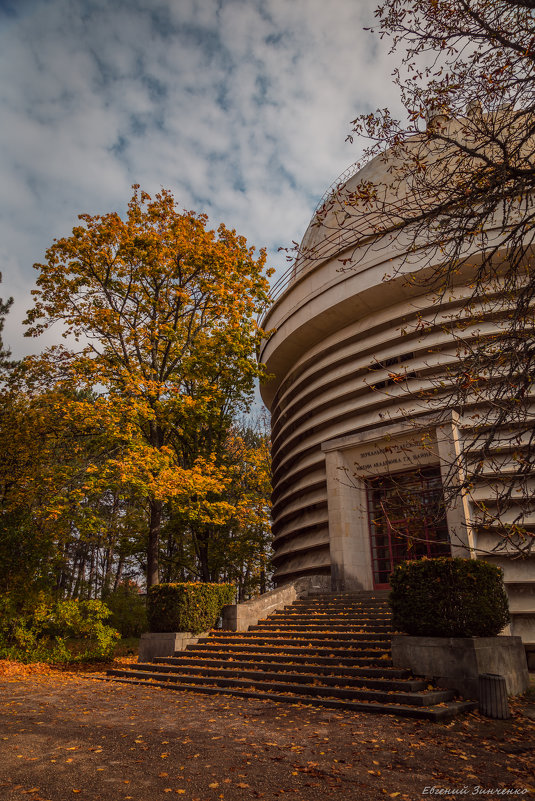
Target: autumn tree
226,536
63,528
5,306
457,199
155,301
248,544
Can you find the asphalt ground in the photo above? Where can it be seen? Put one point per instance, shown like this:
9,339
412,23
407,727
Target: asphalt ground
73,735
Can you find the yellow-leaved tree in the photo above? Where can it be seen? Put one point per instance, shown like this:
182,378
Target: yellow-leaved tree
163,311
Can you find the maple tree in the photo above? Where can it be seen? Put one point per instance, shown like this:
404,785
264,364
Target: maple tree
73,524
5,306
234,546
456,199
54,514
164,313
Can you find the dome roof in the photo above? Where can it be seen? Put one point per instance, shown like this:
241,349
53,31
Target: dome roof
357,205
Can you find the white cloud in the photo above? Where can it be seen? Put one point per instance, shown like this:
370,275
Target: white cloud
240,107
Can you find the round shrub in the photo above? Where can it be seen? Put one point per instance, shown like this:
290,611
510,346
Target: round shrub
191,606
448,597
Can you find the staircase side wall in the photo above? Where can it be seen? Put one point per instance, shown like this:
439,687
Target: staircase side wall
238,617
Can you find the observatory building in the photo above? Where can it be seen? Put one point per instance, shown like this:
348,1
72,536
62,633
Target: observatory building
351,434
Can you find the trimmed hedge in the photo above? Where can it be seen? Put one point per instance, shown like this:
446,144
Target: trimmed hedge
188,606
448,597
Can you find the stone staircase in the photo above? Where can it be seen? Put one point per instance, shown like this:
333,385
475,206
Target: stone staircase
330,650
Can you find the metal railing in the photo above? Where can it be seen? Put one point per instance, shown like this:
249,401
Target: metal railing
337,183
330,242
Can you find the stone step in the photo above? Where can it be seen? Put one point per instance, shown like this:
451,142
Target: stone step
288,673
341,596
332,650
350,614
320,596
294,663
346,616
327,622
344,611
313,617
314,630
341,601
301,637
373,616
437,713
317,627
271,684
382,594
290,650
309,656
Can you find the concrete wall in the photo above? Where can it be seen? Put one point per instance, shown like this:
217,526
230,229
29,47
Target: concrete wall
332,327
238,617
456,662
153,644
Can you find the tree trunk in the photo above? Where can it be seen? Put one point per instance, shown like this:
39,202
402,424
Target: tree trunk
119,572
109,553
203,559
107,572
79,569
66,574
153,547
91,577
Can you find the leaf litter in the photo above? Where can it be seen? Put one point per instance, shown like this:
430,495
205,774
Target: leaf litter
232,748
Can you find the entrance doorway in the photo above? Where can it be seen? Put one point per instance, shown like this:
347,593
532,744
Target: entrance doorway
407,520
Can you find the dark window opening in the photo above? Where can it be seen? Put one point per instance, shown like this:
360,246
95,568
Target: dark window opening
390,362
393,378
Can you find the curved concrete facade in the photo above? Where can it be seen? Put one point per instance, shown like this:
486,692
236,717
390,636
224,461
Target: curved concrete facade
340,415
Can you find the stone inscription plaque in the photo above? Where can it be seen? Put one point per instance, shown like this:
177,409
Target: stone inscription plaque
393,455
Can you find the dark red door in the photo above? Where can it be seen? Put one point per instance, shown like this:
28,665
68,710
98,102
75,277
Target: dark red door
407,520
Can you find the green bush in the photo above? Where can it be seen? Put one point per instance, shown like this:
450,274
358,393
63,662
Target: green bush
188,606
128,611
448,598
56,631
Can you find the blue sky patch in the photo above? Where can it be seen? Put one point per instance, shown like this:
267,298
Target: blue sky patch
240,107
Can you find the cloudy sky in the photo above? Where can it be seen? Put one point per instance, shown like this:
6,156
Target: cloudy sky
240,107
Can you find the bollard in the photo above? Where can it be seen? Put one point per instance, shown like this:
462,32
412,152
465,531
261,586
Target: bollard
493,701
